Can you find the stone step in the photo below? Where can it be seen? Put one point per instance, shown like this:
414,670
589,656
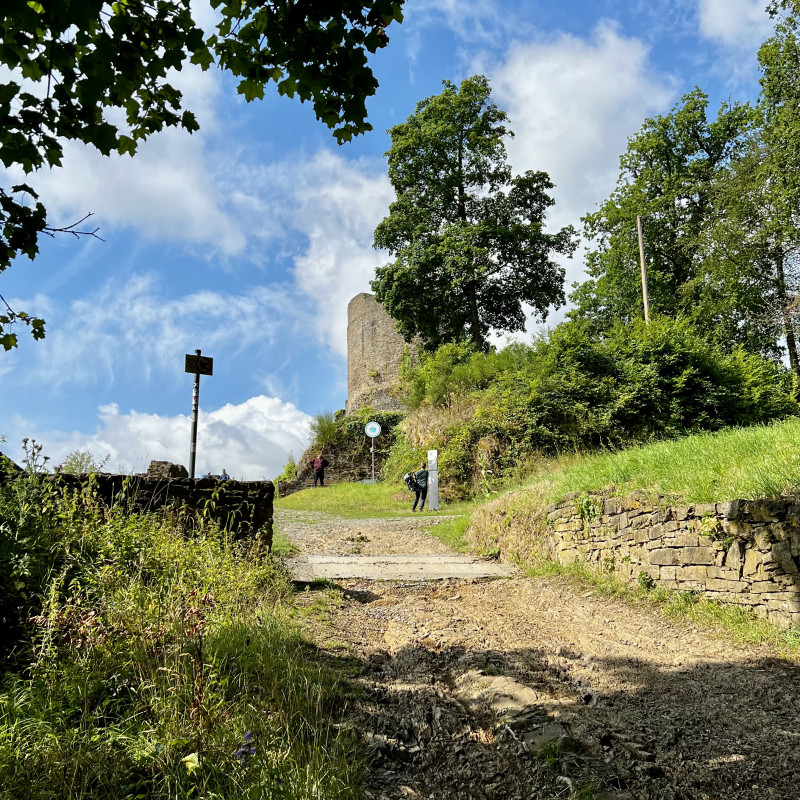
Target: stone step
416,566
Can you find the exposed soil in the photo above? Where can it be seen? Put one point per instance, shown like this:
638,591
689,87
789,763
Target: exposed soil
533,688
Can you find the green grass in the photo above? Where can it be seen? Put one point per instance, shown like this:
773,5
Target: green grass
149,651
757,462
452,532
363,501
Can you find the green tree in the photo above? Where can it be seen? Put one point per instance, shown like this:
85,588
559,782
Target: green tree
79,67
667,175
468,238
82,462
750,267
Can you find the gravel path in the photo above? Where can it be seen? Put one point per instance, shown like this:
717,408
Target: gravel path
522,688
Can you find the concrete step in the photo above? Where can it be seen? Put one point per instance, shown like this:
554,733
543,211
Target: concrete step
416,566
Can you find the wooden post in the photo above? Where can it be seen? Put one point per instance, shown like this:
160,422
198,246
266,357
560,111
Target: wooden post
645,295
195,410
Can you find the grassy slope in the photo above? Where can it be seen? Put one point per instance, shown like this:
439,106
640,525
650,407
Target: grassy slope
761,461
758,462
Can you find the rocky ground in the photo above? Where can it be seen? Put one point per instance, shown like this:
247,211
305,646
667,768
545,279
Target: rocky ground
533,688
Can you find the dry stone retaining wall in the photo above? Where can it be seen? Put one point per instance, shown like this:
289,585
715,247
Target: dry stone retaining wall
744,552
244,507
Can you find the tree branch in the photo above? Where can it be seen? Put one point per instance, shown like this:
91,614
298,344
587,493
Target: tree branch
71,229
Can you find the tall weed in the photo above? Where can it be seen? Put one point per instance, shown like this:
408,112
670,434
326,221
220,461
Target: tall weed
157,664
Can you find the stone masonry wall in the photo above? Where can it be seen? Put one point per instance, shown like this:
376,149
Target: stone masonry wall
243,507
374,351
744,552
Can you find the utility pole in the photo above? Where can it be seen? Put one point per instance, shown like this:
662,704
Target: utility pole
645,295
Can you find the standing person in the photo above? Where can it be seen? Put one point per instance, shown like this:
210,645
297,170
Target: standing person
318,465
422,487
224,476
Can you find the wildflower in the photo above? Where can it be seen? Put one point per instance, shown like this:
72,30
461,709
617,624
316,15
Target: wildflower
246,752
191,762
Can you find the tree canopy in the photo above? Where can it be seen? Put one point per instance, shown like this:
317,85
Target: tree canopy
720,201
468,238
667,176
78,68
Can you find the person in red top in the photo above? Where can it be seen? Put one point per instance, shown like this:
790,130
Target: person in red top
318,465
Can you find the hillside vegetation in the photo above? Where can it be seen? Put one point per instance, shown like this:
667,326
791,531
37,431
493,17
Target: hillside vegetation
142,661
500,416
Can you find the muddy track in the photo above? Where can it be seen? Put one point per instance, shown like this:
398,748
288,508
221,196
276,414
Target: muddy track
521,688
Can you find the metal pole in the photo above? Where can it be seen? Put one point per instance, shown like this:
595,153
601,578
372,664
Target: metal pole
645,296
195,409
373,459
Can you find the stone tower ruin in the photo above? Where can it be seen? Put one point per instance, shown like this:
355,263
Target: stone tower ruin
374,351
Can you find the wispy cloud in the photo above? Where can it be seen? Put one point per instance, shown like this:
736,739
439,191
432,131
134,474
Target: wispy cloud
135,324
329,207
740,24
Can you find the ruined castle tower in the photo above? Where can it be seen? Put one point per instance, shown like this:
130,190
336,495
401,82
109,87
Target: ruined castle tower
374,351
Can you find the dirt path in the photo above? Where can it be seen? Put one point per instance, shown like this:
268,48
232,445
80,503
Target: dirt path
520,688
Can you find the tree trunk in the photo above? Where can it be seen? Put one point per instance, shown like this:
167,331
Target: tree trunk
783,300
462,200
471,292
474,319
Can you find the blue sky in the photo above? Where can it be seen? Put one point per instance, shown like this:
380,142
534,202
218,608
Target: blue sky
248,239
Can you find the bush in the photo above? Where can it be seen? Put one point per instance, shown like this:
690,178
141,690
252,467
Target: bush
571,391
289,469
324,429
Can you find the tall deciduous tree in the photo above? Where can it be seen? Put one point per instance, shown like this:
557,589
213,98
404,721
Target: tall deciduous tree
78,66
468,238
667,175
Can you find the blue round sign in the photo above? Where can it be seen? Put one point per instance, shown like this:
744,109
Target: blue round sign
372,429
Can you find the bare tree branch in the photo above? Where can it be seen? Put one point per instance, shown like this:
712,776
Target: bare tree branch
71,229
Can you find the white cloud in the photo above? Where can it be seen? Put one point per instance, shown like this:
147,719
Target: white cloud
167,191
333,204
135,325
250,440
736,23
339,205
573,103
472,21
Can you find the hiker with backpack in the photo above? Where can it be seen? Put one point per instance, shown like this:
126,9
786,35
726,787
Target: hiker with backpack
420,487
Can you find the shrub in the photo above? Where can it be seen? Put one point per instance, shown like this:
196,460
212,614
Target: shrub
157,664
289,469
82,462
324,429
570,391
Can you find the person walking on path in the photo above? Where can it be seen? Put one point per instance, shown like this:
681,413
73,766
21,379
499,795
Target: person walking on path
318,465
421,492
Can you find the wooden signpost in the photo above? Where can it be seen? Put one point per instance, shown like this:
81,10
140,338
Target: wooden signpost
199,365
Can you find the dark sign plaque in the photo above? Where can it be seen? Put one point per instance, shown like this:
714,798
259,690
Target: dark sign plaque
199,365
